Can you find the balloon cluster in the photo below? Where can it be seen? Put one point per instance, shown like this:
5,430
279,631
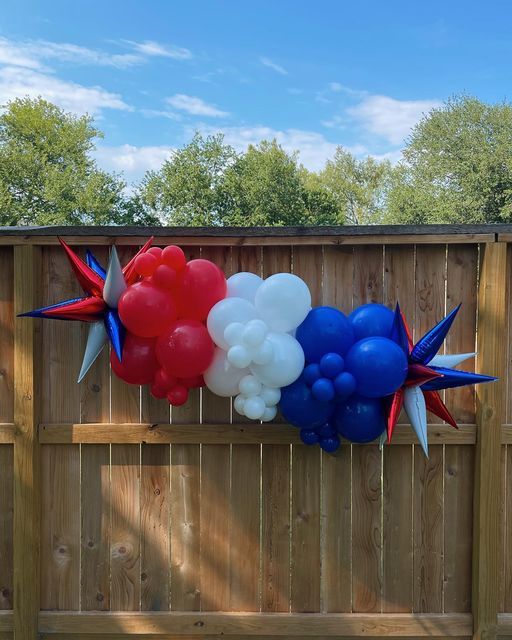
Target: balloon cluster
256,355
175,324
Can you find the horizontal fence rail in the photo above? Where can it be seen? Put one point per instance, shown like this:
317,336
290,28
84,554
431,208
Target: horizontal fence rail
121,517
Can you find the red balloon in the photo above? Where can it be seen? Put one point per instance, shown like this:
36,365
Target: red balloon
145,264
193,383
174,257
146,310
165,277
203,285
163,379
185,349
158,392
157,252
178,395
139,363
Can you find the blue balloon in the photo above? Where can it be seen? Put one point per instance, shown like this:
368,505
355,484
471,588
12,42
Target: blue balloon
323,390
360,419
300,408
370,320
325,330
344,385
311,374
309,436
427,346
379,366
331,365
327,430
331,444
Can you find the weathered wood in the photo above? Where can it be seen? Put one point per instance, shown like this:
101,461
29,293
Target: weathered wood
7,433
6,523
6,334
27,486
252,624
490,416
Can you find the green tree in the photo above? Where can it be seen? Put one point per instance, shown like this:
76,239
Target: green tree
187,188
359,187
457,166
47,175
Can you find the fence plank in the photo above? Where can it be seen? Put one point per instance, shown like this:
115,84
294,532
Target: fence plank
338,276
124,543
6,524
95,496
6,335
490,417
368,275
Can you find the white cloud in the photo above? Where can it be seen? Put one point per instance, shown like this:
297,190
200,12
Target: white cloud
151,48
267,62
18,55
16,82
389,118
132,161
195,106
335,87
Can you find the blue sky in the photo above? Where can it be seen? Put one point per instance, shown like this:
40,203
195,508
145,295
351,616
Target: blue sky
314,75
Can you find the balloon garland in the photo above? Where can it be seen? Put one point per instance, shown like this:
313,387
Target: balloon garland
175,324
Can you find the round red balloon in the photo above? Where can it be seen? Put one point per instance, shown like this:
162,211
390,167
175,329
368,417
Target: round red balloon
178,395
203,284
139,363
146,310
185,349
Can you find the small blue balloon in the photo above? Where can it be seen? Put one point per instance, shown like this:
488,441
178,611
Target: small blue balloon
323,390
344,385
370,320
360,419
300,408
325,330
326,430
311,374
331,444
309,436
379,366
331,365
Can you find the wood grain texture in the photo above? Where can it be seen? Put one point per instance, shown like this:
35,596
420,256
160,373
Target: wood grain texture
338,276
60,531
154,528
6,335
95,498
368,275
6,525
428,530
125,528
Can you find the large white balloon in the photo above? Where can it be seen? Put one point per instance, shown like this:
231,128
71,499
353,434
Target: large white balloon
221,377
283,301
286,364
226,312
243,285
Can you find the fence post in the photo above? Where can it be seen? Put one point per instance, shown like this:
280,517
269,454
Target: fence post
27,503
491,358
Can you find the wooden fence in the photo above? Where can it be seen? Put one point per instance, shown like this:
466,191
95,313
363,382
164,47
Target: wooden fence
121,518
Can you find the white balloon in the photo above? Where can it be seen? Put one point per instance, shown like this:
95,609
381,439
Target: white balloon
239,404
264,353
270,396
239,356
269,414
250,386
221,377
226,312
254,333
243,285
283,301
286,365
415,407
254,408
233,334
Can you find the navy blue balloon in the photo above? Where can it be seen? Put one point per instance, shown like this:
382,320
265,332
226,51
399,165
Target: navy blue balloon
360,419
379,366
344,385
325,330
311,374
309,436
323,390
300,408
331,365
371,320
331,444
326,430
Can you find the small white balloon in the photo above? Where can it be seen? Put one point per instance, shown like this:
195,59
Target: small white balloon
283,301
233,334
287,362
264,353
239,405
239,356
270,396
254,333
254,408
269,414
221,377
250,386
226,312
243,285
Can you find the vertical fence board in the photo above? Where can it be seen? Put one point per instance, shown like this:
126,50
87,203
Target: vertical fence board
338,276
154,525
6,335
6,524
95,495
125,528
507,547
368,274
